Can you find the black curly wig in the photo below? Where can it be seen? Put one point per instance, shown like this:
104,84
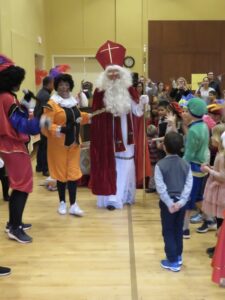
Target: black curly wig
11,78
63,77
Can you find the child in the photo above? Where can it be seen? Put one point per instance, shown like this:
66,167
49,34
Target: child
214,201
169,120
212,97
153,154
173,180
196,153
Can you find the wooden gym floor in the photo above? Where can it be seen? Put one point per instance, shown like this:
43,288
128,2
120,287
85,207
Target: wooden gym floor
102,256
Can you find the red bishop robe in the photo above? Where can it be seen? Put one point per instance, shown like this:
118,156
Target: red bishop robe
102,153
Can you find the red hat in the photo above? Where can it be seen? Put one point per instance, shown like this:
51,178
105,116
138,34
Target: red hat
176,108
5,62
110,53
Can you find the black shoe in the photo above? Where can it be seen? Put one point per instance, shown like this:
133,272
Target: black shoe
19,235
204,228
150,190
210,251
24,226
4,271
38,170
186,234
46,174
6,197
110,207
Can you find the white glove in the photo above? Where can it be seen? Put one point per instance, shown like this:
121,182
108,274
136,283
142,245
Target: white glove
45,122
25,104
1,163
144,99
78,120
223,139
83,100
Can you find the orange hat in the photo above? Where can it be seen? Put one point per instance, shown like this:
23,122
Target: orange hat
215,109
110,53
5,62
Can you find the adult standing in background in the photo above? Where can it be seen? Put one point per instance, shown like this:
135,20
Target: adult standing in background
179,89
42,98
215,84
204,90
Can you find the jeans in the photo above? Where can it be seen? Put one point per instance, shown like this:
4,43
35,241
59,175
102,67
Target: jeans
172,231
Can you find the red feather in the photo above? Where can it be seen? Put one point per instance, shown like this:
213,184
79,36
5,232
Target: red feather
63,68
39,75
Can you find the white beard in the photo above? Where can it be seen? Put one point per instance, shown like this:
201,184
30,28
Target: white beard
117,99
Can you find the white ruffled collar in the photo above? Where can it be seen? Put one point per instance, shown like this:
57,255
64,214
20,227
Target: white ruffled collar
68,102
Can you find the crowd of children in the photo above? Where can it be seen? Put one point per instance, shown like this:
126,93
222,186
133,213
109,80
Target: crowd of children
197,120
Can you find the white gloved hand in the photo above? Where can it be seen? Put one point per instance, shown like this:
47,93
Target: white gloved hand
25,104
79,120
223,139
144,99
45,122
1,163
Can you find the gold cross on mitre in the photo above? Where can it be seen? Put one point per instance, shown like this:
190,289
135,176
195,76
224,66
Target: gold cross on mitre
109,50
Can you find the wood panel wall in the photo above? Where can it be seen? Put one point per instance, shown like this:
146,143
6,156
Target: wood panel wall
180,48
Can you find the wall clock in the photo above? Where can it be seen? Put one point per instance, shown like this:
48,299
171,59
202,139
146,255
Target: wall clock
129,61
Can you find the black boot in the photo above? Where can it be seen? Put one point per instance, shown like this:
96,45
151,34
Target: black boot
210,251
110,207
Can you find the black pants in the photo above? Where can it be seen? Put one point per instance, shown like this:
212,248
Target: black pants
42,162
17,202
72,188
5,183
172,231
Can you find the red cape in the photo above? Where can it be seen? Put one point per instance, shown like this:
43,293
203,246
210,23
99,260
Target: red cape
103,168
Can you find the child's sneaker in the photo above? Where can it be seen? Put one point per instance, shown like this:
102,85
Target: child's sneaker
179,260
19,235
62,208
197,218
186,234
75,210
206,226
173,266
24,226
4,271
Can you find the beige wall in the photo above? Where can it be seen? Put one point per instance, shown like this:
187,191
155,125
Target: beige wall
79,27
21,22
89,23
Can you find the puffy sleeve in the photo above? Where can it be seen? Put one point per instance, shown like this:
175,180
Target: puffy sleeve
12,113
49,111
137,108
